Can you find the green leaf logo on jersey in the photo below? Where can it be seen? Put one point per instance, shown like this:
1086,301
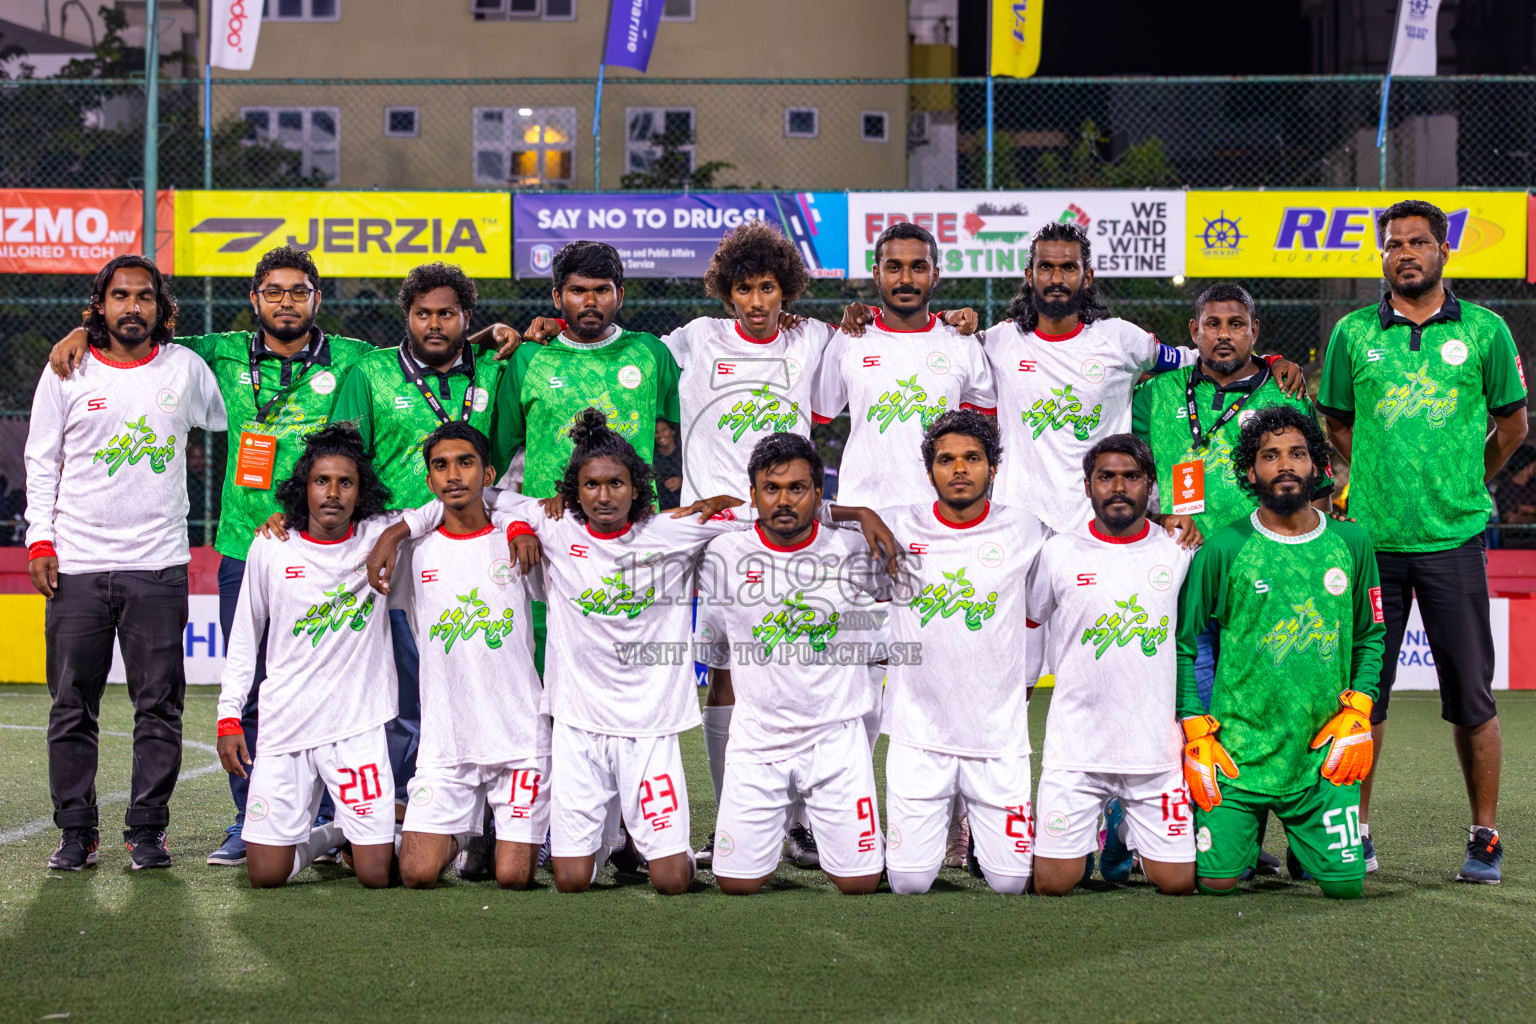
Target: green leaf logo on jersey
134,444
341,610
1125,626
1305,629
796,620
626,427
955,594
1062,410
906,403
473,616
1420,395
620,600
761,411
288,420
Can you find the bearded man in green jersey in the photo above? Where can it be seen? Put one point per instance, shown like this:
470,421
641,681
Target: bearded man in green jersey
1296,596
1408,386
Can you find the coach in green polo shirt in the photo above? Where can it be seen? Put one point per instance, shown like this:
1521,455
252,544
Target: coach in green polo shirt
1408,386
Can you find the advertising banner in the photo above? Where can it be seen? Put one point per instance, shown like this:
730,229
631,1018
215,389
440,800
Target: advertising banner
986,234
1333,234
674,235
1416,662
202,643
351,234
75,231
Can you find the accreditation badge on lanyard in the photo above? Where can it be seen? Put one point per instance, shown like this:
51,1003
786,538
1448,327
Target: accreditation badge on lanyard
1189,477
257,455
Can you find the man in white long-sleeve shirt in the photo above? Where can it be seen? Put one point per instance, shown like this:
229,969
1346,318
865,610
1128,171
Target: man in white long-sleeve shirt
107,543
330,683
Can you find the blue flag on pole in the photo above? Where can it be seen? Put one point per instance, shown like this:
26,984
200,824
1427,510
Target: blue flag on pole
632,28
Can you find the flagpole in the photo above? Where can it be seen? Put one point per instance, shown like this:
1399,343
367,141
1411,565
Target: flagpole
597,108
1386,91
990,6
151,237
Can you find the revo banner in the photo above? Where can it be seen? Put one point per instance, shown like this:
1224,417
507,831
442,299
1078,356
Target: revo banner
986,234
351,234
75,231
1333,234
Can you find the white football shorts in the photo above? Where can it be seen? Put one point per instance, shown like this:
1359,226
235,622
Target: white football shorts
285,791
595,777
834,777
920,786
1159,816
452,801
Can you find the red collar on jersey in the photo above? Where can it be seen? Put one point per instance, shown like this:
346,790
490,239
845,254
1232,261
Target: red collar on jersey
987,507
756,341
1074,332
487,528
1146,527
109,361
351,528
771,546
608,536
933,318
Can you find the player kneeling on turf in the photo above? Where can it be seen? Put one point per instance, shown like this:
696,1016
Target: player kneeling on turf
483,738
958,717
1297,598
330,683
1110,591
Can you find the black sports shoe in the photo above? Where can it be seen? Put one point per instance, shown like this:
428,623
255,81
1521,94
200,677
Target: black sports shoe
704,857
76,850
1267,864
1484,852
972,865
477,861
146,844
801,849
626,860
1294,869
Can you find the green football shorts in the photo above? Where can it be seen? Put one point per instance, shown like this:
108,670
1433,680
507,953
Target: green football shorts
1321,823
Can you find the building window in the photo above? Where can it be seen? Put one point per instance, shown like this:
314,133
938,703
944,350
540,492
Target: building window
652,130
677,10
801,122
875,125
504,10
312,132
301,10
528,146
402,122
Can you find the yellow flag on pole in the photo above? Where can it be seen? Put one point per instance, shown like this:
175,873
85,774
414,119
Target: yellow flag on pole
1016,37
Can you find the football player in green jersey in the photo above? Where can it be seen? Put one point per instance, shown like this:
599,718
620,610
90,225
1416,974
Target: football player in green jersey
1295,594
1408,386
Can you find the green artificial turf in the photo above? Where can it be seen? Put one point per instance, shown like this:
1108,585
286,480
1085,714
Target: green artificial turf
196,944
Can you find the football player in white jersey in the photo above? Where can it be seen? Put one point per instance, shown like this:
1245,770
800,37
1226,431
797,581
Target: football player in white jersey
787,605
1110,592
484,735
958,718
330,683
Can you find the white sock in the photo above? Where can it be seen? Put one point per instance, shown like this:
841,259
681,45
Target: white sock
320,839
1365,831
463,839
910,883
717,731
599,859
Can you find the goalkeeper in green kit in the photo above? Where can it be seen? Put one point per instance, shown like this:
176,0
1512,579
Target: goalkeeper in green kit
1297,598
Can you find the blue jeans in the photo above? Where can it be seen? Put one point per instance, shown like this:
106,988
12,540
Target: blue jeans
404,732
1207,649
231,576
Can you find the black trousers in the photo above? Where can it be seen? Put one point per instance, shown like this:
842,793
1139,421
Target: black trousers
147,613
1451,587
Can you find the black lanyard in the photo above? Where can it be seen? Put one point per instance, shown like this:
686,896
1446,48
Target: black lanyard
317,349
413,373
1193,409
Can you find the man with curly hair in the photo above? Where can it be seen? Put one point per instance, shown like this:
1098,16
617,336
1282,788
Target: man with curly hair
330,687
1298,600
107,543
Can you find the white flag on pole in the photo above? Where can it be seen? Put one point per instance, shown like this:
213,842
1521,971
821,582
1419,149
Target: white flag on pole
234,26
1413,44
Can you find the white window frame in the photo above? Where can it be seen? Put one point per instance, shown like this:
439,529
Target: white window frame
414,133
512,119
649,152
885,119
815,131
693,11
502,11
269,12
305,147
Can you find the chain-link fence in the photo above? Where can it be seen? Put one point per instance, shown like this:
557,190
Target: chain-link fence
668,134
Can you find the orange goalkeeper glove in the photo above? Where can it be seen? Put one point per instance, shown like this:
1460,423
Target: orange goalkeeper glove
1350,732
1203,754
